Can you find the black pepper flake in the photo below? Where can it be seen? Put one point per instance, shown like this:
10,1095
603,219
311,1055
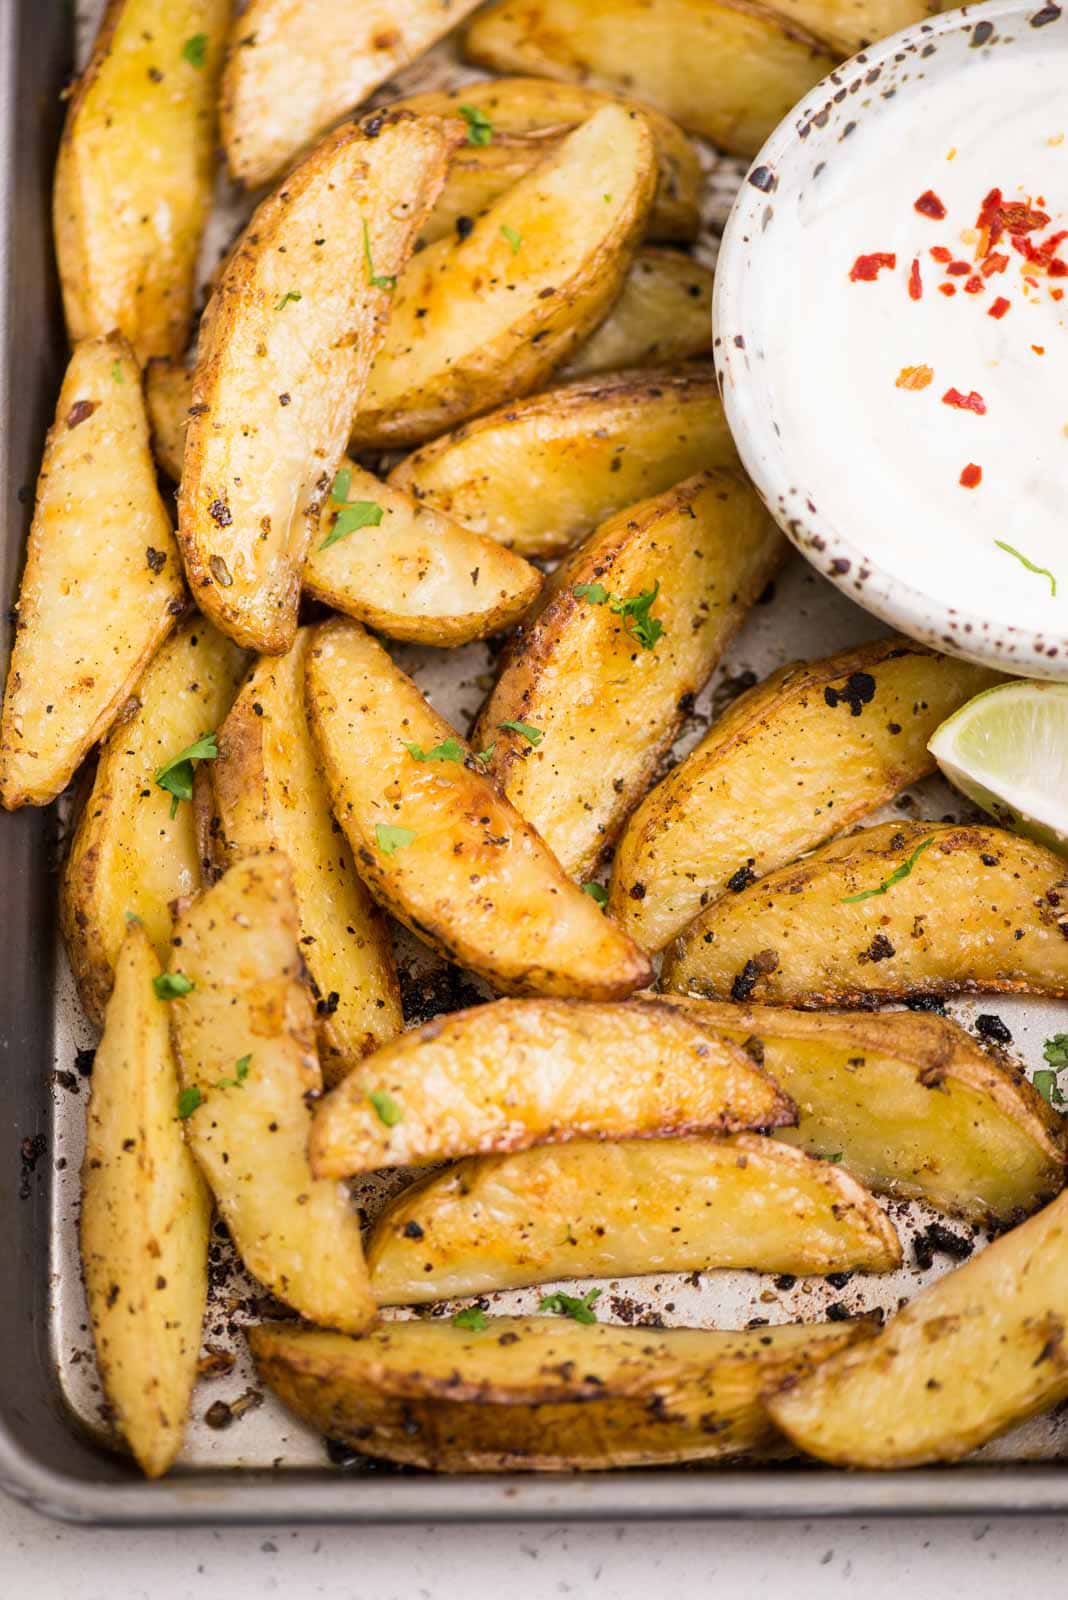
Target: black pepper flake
988,1026
327,1007
859,691
157,559
412,1230
637,891
465,227
742,878
220,512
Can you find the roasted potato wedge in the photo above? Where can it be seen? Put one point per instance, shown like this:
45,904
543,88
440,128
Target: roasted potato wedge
897,910
290,332
524,120
592,694
145,1219
269,795
663,316
522,1072
134,851
168,396
102,585
848,25
540,1393
440,846
977,1352
481,320
295,66
722,68
604,1210
543,473
135,172
910,1103
244,1035
800,757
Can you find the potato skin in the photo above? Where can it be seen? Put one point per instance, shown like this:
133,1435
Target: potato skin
540,1393
847,26
801,756
981,910
663,316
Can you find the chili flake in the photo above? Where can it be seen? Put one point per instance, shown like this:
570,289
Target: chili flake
940,253
971,477
965,402
1022,219
915,281
929,205
914,377
999,308
947,288
866,269
974,285
994,263
958,269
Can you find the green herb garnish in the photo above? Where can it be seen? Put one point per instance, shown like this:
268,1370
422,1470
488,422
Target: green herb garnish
634,609
374,279
387,1109
838,1154
116,372
450,749
895,877
1043,572
1055,1051
357,514
595,593
176,776
532,735
569,1305
1045,1082
240,1074
471,1317
514,239
195,49
290,294
487,754
596,891
172,985
390,839
479,126
188,1100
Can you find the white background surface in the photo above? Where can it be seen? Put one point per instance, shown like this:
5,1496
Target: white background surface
665,1561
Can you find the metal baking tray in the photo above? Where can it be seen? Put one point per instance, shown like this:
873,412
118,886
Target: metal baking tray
261,1466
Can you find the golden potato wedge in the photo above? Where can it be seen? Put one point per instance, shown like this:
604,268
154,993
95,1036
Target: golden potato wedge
135,172
439,846
413,573
145,1219
543,473
800,757
977,1352
129,854
664,315
848,25
269,795
522,122
481,320
892,911
727,69
602,1210
292,327
540,1393
102,586
168,396
294,67
244,1036
522,1072
591,696
911,1105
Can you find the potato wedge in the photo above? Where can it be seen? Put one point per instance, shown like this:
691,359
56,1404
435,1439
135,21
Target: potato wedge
540,1393
245,1041
269,795
294,67
527,119
543,473
848,25
481,320
892,911
800,757
663,316
102,586
292,327
439,846
135,172
602,689
977,1352
522,1072
910,1103
603,1210
722,68
168,396
129,855
145,1219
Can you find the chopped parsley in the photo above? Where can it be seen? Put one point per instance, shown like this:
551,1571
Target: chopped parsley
895,877
569,1305
1045,1081
1043,572
487,754
1055,1051
479,126
450,749
595,593
376,280
596,891
514,239
172,985
240,1074
386,1108
390,839
471,1317
116,372
636,610
176,775
195,49
838,1154
283,300
531,734
354,515
188,1100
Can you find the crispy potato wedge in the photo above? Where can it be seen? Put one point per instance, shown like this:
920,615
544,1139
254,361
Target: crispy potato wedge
145,1219
727,69
848,25
102,585
663,316
543,473
528,118
269,795
540,1393
129,855
290,332
800,757
168,396
294,67
244,1036
603,692
911,1104
522,1072
892,911
135,172
481,320
977,1352
602,1210
438,844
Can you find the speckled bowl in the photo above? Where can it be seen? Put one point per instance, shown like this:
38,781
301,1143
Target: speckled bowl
800,148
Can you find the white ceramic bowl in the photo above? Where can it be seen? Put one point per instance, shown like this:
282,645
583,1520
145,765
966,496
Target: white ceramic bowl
751,296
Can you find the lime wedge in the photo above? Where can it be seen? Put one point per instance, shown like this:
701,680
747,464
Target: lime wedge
1008,751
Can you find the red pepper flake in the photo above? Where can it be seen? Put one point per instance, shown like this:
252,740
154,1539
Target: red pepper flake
965,402
940,253
989,223
958,269
1058,268
1049,247
1039,349
914,377
915,281
1056,294
971,477
929,205
1021,219
974,285
866,269
999,308
994,263
947,288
